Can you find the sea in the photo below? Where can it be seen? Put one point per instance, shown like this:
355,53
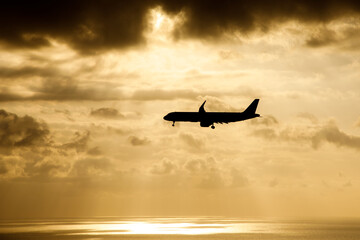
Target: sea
176,228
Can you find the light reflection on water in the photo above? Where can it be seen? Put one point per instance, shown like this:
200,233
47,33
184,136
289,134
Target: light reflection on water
191,226
109,228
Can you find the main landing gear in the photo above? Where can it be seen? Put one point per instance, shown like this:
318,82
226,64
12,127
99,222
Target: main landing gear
173,124
212,126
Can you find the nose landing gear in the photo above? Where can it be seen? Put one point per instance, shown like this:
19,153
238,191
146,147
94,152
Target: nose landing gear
173,124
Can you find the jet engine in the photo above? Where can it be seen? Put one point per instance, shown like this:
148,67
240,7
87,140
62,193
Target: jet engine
205,123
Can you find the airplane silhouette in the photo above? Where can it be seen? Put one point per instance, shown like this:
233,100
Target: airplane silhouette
207,119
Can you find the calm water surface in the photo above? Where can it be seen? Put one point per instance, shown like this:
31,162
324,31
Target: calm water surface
177,228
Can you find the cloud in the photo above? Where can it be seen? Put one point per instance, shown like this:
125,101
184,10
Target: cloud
136,141
210,19
88,27
27,71
216,104
3,168
63,89
166,167
162,94
92,167
345,38
44,165
207,173
357,123
194,166
331,133
27,149
192,141
170,94
322,38
268,120
69,89
6,96
106,113
213,179
328,132
266,133
95,151
93,26
79,142
18,131
308,116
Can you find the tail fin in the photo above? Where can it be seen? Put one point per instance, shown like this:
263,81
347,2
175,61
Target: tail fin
202,109
251,109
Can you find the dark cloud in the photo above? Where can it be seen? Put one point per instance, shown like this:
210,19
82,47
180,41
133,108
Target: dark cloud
18,131
327,133
79,142
331,133
323,38
27,71
92,26
63,89
95,151
3,168
345,38
106,113
88,26
137,141
6,96
70,89
209,19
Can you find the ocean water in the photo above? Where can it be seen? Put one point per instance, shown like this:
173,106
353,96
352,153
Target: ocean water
214,228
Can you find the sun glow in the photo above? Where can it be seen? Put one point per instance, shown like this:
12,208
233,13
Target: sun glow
162,25
159,17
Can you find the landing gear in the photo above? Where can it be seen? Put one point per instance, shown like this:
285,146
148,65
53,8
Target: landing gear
212,126
173,124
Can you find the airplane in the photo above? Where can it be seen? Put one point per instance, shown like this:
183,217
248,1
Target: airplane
207,119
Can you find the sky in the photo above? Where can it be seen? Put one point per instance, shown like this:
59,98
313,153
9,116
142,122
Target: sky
84,86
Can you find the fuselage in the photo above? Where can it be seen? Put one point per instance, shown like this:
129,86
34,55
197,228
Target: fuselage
207,119
213,117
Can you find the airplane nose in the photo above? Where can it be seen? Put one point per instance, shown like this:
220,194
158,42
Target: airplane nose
165,117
